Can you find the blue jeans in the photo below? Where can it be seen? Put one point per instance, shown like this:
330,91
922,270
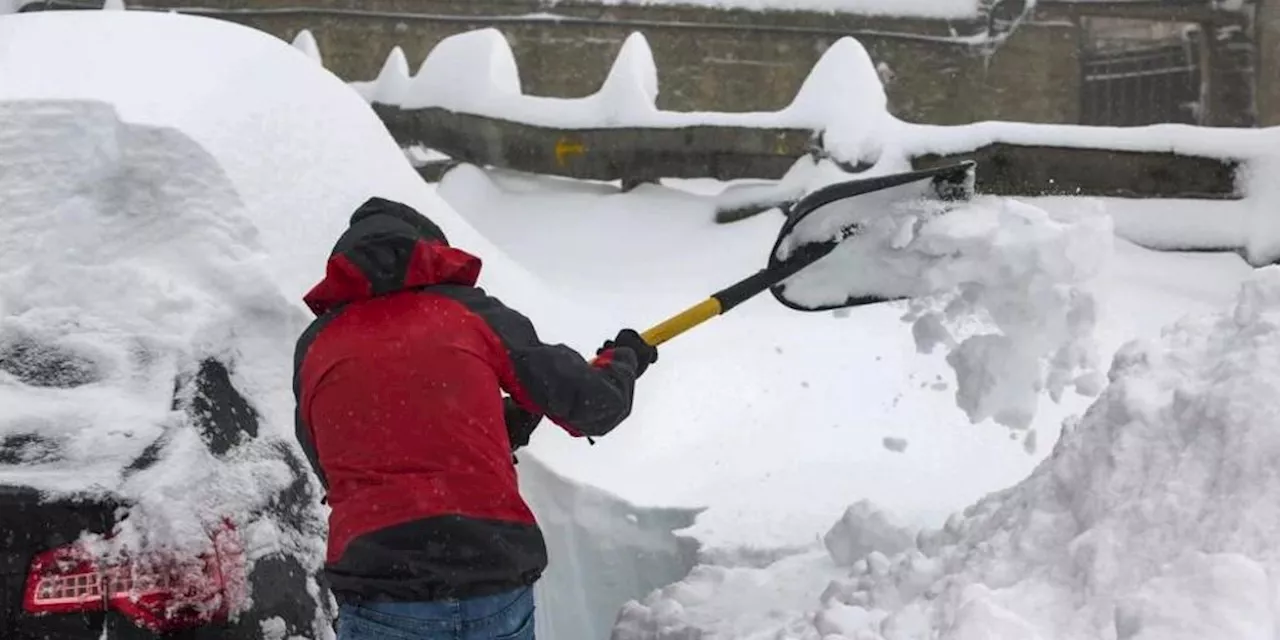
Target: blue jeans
505,616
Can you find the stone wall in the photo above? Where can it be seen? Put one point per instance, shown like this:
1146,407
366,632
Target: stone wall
1268,20
707,59
712,59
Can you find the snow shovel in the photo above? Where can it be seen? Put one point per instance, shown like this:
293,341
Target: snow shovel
815,226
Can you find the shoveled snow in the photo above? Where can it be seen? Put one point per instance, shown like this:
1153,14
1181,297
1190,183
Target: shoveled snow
992,263
1154,517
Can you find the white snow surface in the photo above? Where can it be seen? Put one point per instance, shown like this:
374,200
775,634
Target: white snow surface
1153,517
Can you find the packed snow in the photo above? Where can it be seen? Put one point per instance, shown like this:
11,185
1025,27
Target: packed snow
1154,517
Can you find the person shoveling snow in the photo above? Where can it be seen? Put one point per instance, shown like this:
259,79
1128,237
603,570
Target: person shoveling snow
400,411
436,517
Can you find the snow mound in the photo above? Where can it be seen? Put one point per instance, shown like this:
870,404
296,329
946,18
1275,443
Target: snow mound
1153,517
1165,494
630,91
465,69
306,43
844,98
862,530
993,263
393,80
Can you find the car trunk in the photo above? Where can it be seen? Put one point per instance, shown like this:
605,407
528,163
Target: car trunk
29,525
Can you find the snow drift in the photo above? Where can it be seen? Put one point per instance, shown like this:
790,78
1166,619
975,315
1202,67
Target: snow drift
1154,516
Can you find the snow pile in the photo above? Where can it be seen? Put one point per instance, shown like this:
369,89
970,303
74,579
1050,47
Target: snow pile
475,72
992,262
471,68
137,261
862,530
393,80
306,43
1154,516
1165,494
844,98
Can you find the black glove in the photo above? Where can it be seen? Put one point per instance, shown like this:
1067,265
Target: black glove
646,354
520,423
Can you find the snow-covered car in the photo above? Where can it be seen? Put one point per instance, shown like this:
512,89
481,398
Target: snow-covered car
55,585
149,482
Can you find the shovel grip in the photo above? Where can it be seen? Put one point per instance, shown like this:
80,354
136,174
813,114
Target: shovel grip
682,322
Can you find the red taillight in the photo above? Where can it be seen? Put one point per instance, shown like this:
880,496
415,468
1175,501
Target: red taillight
156,591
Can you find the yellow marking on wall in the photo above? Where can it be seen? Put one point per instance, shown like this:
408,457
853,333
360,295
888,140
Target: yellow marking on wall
566,147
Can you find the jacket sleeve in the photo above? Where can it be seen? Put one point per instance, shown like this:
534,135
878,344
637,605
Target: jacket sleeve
584,398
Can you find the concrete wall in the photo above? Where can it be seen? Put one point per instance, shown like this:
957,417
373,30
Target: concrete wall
1268,21
709,59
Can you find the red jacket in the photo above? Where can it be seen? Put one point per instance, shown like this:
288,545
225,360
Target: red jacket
399,385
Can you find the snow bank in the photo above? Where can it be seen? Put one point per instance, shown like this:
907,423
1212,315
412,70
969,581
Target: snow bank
1154,516
991,263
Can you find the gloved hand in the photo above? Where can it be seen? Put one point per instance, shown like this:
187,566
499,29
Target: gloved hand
646,354
520,423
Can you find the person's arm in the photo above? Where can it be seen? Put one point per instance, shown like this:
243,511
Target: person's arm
585,398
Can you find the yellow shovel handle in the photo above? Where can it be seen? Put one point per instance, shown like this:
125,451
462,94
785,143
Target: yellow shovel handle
682,322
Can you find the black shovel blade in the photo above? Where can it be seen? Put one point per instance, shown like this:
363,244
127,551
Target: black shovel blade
849,234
